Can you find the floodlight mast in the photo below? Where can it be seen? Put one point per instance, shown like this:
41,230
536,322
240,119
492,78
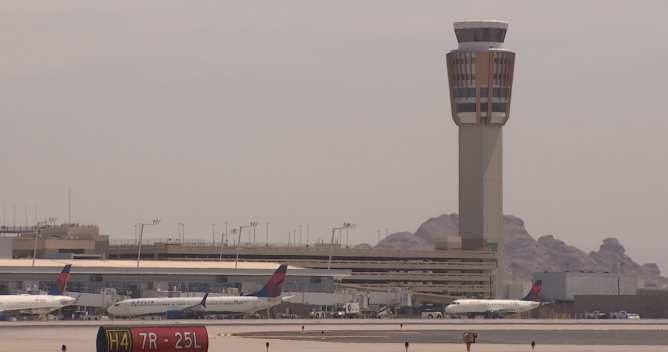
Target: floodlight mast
40,226
346,225
253,224
141,236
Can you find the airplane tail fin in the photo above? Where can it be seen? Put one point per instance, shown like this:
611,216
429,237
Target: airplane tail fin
533,293
274,286
58,288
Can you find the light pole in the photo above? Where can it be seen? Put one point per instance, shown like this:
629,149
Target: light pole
39,229
300,235
135,234
183,232
213,234
225,229
236,261
331,243
252,224
222,243
267,234
141,236
179,240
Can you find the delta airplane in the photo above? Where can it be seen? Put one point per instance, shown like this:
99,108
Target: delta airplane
39,304
495,308
181,307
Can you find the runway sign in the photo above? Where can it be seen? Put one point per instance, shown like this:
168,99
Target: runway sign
180,338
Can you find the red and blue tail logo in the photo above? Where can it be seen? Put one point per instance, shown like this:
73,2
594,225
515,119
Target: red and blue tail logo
533,293
274,286
58,288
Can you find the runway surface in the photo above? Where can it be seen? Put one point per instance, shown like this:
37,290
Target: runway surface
551,337
369,337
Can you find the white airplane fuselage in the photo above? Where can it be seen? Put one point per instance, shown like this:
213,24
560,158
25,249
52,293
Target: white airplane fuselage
465,306
161,305
33,304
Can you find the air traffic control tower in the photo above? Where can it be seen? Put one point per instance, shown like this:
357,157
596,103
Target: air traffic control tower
480,75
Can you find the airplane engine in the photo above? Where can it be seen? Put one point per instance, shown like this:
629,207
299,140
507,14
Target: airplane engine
175,314
493,314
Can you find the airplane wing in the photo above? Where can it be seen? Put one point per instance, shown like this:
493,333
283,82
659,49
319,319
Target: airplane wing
36,310
546,303
200,307
502,310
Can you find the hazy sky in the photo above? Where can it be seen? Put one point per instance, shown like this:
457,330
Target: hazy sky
297,112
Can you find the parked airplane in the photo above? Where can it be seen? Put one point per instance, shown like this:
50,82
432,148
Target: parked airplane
180,307
495,308
39,304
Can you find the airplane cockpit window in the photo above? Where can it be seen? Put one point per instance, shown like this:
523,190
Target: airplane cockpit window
117,304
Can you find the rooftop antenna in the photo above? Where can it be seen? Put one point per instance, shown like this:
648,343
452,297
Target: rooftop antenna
69,206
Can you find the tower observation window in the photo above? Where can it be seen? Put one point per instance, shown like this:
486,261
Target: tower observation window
499,107
466,35
466,107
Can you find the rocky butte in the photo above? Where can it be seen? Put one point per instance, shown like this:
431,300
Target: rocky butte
545,254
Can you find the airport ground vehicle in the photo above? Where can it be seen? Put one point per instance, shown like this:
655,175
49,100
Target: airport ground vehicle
432,314
286,316
622,314
349,310
595,315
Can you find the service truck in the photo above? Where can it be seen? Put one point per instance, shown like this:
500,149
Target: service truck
623,315
432,314
349,310
596,315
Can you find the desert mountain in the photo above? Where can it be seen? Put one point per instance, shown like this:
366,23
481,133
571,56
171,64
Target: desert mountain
531,255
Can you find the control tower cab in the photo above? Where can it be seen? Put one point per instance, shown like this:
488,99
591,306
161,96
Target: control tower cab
480,73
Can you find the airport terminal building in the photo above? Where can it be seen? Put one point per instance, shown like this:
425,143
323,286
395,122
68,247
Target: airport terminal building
455,273
447,271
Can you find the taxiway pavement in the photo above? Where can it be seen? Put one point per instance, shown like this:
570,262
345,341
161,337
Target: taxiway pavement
369,337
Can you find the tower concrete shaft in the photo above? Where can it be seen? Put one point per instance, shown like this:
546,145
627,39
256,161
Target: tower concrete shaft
480,75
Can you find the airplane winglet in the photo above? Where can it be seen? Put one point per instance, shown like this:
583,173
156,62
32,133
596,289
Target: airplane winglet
76,300
203,303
